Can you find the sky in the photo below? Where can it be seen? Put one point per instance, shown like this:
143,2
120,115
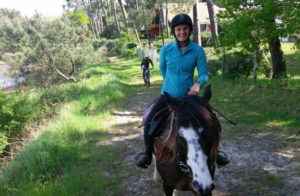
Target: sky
28,7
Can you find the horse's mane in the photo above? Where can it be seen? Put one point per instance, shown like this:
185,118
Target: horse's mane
188,111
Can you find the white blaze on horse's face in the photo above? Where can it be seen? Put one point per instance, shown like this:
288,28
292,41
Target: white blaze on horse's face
196,158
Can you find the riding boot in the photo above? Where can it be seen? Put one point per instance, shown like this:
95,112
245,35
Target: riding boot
222,160
145,159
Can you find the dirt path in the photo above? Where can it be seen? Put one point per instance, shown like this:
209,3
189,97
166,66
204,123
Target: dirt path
258,166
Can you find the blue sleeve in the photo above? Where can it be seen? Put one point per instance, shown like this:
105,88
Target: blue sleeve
202,68
162,63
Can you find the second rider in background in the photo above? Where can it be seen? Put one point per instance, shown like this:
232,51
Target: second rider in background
145,65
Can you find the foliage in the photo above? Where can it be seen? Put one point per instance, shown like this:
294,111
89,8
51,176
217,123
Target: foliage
110,30
252,23
121,46
238,65
130,52
98,43
214,67
78,18
48,45
131,45
15,111
206,39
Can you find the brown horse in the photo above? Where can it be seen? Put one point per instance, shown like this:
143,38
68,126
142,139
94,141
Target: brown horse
186,152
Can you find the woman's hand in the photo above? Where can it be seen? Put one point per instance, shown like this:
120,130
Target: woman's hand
195,89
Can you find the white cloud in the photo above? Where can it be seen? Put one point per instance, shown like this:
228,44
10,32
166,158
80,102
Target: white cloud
28,7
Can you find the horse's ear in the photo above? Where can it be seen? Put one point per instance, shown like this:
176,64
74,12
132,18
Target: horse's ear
170,101
207,93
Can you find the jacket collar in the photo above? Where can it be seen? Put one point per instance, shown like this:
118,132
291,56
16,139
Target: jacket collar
190,45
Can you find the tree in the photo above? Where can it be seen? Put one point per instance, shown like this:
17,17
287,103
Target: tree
56,46
252,23
214,29
116,18
123,11
197,32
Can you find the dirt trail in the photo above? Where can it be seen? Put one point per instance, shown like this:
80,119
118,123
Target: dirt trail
257,166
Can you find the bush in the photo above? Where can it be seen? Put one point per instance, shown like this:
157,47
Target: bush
111,46
131,45
130,52
213,67
98,43
16,110
238,65
206,39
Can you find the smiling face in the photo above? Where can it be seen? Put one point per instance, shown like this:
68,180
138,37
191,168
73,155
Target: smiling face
182,32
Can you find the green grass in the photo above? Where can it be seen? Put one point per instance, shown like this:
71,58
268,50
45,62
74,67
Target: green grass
263,183
65,158
255,108
292,57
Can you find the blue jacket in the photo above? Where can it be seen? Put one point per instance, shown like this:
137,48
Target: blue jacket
177,69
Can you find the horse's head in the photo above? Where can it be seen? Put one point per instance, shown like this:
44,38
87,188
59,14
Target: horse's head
197,139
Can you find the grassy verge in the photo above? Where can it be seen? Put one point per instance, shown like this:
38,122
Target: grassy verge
65,158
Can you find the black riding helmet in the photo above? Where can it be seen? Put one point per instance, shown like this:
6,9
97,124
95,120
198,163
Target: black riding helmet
181,19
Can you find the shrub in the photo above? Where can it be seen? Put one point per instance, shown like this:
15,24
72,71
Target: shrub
131,45
238,65
206,38
98,43
130,52
16,110
213,67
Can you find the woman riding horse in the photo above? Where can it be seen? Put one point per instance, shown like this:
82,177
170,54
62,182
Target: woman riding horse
177,63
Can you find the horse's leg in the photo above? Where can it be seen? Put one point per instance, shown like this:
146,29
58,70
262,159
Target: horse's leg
155,173
167,189
175,193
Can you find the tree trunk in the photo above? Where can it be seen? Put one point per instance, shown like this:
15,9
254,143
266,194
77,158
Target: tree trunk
146,26
197,32
109,9
268,74
255,64
214,30
123,12
278,61
136,5
101,20
136,34
134,26
116,19
167,20
91,19
162,24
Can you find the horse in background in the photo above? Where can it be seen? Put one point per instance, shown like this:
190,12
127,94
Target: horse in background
185,154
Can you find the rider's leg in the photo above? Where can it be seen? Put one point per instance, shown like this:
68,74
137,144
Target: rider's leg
144,70
145,159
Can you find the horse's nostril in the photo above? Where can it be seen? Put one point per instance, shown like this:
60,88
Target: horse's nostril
197,186
203,192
